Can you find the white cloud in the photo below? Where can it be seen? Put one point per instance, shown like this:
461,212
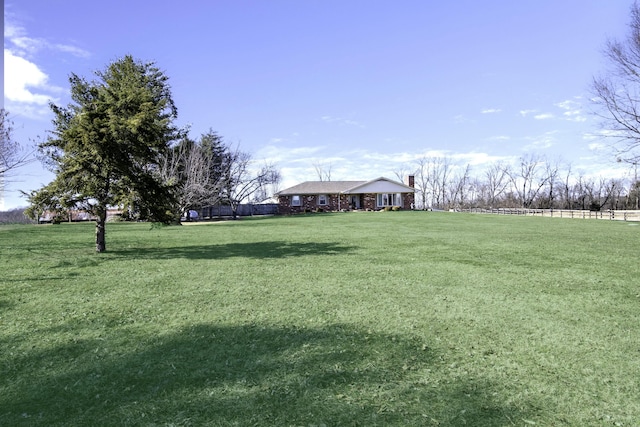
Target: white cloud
16,36
341,121
546,140
21,77
297,165
462,119
543,116
476,159
31,111
281,154
491,110
573,110
384,158
432,153
575,116
601,135
569,104
23,45
499,138
27,90
73,50
598,146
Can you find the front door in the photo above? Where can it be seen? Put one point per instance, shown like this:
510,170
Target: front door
354,201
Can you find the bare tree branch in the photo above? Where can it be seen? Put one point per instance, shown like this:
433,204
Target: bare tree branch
322,170
12,154
617,93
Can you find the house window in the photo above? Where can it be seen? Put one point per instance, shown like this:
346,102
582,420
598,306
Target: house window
322,200
296,201
389,199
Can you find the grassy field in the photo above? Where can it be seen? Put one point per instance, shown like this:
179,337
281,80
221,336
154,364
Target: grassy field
356,319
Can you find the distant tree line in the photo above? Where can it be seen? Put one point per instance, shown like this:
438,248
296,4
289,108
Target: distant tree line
533,182
14,216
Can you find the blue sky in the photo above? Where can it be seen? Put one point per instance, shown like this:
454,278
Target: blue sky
364,88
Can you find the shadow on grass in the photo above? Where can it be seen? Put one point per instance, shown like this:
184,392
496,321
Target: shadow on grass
270,249
244,375
5,305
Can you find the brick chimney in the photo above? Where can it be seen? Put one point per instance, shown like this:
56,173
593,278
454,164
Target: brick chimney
411,181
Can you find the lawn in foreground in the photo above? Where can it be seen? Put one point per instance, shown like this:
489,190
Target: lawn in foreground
394,318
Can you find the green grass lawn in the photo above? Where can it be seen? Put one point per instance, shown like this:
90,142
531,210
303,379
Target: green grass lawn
354,319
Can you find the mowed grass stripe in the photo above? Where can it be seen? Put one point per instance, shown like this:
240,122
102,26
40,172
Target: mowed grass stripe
390,318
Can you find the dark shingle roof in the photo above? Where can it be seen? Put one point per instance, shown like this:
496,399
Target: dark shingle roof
320,187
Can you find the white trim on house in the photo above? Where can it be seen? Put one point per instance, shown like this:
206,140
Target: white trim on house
380,185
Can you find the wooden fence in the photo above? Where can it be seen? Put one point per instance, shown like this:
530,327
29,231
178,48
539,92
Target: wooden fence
613,215
247,209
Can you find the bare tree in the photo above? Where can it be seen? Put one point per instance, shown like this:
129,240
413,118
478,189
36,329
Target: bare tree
12,154
244,179
268,186
322,170
617,93
497,181
565,189
527,179
633,196
580,193
458,188
401,174
602,193
422,181
432,177
190,168
441,170
550,175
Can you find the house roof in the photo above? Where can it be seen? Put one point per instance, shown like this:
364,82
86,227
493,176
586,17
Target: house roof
346,187
380,185
320,187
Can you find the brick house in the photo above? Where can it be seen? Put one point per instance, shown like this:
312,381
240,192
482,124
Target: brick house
376,194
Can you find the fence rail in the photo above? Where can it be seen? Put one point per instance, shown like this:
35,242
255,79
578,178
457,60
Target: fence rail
245,209
613,215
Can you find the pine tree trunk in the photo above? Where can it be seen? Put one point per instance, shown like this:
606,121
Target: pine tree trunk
101,221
